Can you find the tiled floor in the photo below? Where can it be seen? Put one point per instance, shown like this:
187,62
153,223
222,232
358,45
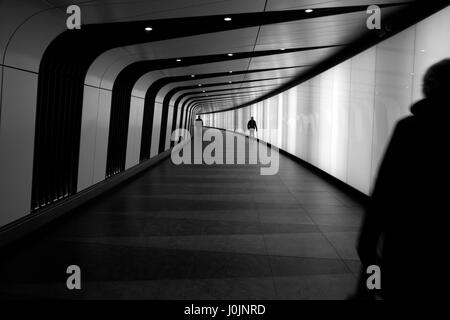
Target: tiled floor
198,232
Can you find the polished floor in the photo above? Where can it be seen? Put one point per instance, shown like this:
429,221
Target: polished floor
197,232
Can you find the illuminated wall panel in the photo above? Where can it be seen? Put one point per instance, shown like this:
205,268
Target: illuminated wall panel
311,109
360,125
341,120
432,44
393,83
156,128
305,119
259,118
279,136
266,121
273,122
291,128
321,141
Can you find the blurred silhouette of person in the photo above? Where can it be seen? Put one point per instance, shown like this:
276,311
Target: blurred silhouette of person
251,126
404,227
199,121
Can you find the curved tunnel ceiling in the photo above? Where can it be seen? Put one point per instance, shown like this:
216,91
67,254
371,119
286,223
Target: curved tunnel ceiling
260,30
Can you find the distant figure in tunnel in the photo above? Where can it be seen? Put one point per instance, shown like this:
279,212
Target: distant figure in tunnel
199,121
404,230
251,126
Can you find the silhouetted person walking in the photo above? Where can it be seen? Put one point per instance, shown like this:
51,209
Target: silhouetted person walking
251,126
199,121
405,230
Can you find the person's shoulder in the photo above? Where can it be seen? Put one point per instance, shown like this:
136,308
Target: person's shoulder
405,125
407,121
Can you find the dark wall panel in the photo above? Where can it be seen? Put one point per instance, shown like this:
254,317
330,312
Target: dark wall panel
57,133
118,132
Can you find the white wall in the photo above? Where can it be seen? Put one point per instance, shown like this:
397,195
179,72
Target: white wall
94,136
134,132
168,132
342,119
101,139
26,29
16,143
156,129
87,138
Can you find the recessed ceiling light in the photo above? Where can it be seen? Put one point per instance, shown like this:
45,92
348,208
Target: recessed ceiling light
309,10
231,71
178,60
148,29
230,54
192,75
230,81
282,49
227,19
203,90
199,84
422,50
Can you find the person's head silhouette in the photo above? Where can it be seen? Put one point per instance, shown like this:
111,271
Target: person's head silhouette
251,118
436,82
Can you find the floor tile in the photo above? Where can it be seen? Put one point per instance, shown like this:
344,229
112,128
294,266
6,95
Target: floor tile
313,245
315,287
